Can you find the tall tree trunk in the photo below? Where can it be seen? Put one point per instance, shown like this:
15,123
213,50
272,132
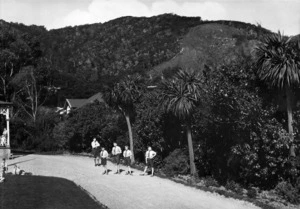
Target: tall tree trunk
290,119
191,149
130,136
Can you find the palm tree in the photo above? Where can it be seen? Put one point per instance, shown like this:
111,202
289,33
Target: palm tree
180,97
278,64
122,97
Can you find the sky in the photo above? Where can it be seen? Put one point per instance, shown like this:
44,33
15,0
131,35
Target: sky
283,15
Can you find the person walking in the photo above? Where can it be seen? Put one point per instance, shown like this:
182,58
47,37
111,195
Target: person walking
116,152
96,151
150,154
127,158
104,156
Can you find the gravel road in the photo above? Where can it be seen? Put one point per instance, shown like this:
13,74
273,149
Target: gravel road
119,191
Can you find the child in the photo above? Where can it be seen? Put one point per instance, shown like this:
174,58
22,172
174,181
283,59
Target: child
127,159
116,152
104,156
96,151
150,154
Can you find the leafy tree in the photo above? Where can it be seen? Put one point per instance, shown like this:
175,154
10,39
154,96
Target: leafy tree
242,138
148,124
31,87
278,64
81,126
122,97
17,50
180,97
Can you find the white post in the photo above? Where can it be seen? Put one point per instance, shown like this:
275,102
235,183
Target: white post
7,128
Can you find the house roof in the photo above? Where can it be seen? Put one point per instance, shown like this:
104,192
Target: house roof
97,97
77,103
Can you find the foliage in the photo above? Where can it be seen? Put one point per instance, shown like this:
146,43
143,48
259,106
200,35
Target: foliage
35,135
31,95
278,61
211,182
180,98
17,50
264,158
233,186
81,126
19,133
288,192
59,135
278,64
122,98
124,94
87,58
242,138
149,123
177,163
181,95
252,193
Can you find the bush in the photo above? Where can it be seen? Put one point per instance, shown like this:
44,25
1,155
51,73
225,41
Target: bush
233,186
29,134
297,185
211,182
85,123
176,163
288,192
252,193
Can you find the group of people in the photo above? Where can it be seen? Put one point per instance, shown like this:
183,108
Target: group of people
101,156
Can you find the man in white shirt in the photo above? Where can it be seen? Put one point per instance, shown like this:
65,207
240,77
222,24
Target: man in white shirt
127,158
116,152
96,151
104,156
150,154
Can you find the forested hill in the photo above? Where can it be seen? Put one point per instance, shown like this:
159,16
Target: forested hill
87,57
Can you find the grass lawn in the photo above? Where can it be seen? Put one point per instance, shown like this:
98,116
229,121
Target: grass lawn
38,192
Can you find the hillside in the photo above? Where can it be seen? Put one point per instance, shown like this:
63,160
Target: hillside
88,57
212,44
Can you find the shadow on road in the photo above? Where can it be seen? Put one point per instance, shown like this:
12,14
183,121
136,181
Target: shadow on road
19,162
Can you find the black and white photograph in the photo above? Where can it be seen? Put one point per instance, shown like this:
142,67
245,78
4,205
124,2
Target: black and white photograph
149,104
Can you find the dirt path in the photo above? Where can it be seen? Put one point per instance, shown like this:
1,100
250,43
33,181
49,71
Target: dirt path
121,191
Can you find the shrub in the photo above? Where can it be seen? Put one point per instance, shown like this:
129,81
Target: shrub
158,161
233,186
211,182
252,193
288,192
176,163
297,185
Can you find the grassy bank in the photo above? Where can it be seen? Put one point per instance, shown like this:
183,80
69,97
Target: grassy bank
28,192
